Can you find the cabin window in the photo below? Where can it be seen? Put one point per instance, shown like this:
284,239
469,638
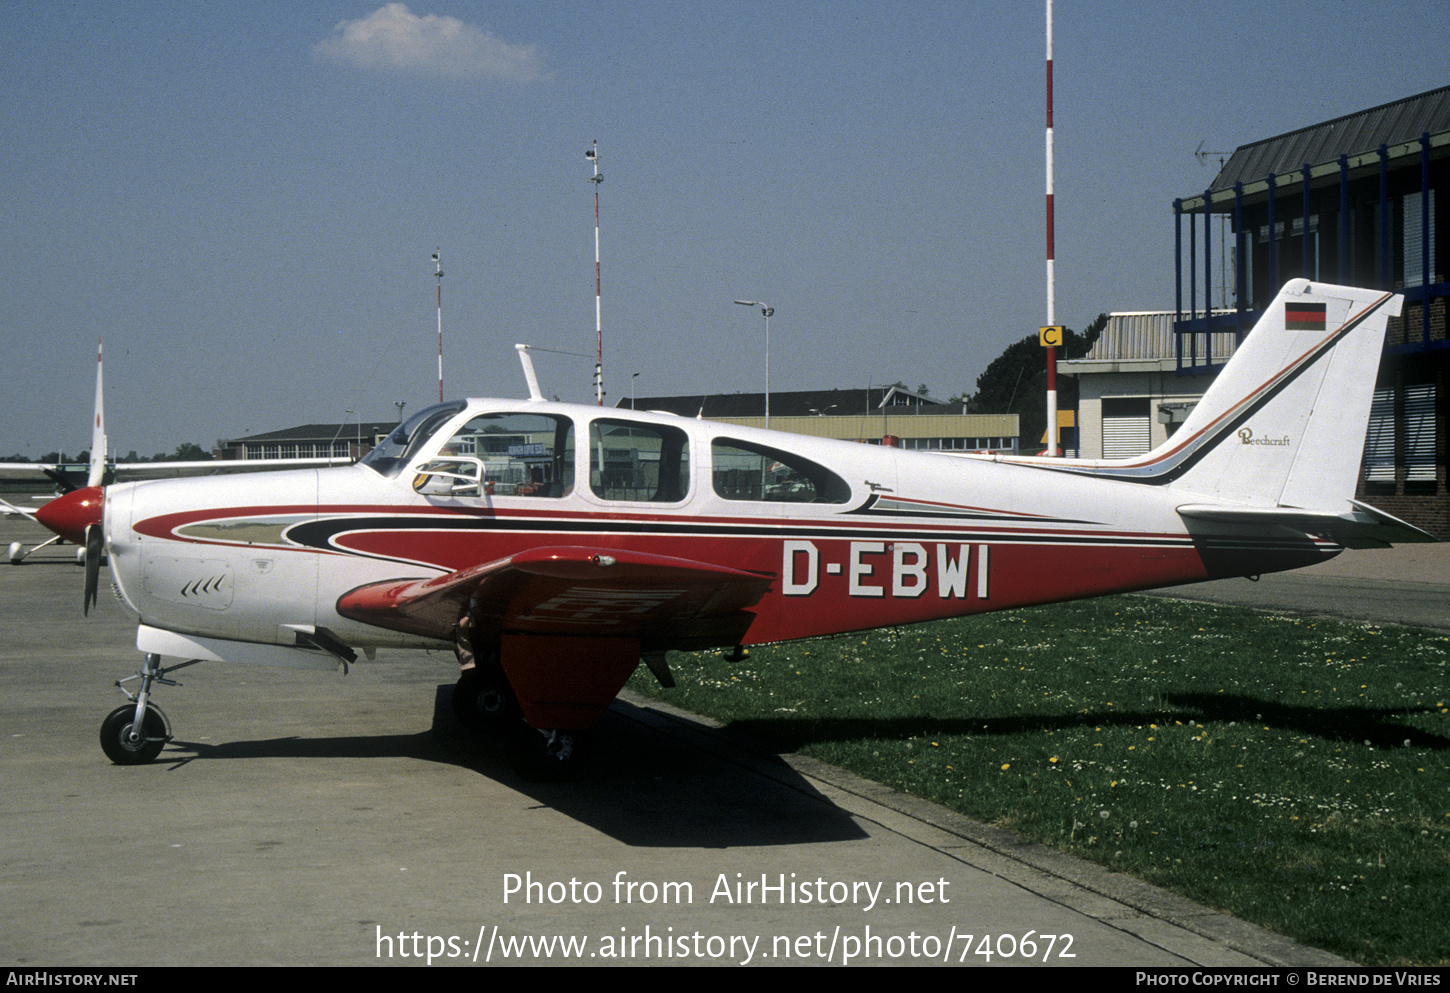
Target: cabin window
503,454
639,462
396,450
745,471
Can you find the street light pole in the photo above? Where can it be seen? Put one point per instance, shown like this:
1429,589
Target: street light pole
765,311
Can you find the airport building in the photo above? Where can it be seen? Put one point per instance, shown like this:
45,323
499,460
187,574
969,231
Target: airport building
911,419
869,415
1353,201
1130,397
310,441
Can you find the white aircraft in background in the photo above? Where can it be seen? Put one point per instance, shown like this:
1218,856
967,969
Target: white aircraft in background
17,552
554,546
101,471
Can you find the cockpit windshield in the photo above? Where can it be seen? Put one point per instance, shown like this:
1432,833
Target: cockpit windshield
397,449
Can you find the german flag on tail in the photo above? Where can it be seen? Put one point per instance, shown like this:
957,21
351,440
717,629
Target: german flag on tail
1303,316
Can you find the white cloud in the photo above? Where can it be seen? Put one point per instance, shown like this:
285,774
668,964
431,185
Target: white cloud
393,37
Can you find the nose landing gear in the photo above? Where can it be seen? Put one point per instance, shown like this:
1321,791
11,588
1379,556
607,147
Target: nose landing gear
134,734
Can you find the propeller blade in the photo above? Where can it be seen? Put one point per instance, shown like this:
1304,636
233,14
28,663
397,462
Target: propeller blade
63,484
95,540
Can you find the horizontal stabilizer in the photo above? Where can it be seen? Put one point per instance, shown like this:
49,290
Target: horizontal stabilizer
1361,527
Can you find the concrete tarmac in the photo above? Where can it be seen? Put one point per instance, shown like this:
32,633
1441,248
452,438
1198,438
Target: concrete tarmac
302,818
1407,584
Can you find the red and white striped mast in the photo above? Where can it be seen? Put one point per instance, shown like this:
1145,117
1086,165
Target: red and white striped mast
438,265
1051,275
593,155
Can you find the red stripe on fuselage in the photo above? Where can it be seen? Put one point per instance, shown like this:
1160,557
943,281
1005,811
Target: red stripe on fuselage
832,574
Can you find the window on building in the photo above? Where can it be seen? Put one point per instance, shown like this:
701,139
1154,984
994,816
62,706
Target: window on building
1413,424
1379,440
1412,242
1127,428
1420,436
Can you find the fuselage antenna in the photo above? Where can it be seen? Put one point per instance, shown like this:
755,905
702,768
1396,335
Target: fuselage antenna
533,380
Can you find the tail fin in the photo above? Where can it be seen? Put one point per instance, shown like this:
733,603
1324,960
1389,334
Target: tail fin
1284,422
98,432
1279,435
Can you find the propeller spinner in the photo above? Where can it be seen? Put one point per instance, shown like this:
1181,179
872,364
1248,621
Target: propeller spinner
77,517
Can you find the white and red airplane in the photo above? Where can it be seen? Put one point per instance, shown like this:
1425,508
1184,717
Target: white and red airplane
554,546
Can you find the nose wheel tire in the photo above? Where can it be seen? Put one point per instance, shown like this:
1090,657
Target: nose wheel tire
125,748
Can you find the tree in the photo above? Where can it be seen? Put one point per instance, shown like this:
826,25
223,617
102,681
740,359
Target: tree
190,452
1016,381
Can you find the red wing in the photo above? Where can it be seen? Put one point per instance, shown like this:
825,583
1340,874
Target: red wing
665,602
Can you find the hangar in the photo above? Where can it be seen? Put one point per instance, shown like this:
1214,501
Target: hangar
309,441
912,420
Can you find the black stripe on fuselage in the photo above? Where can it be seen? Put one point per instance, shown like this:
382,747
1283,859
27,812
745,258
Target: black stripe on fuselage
320,533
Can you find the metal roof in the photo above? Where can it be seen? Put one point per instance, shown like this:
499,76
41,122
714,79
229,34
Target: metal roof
787,403
1145,337
1364,131
350,431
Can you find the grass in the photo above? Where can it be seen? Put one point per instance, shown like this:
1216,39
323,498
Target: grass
1290,771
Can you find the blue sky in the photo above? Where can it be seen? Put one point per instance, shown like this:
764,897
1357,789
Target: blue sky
242,199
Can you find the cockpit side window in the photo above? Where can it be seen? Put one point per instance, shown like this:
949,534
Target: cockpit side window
746,471
503,454
395,451
642,462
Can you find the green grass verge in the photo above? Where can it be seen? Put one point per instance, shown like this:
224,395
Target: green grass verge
1289,771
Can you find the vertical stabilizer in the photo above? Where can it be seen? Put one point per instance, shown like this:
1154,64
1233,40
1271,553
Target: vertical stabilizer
1283,425
98,431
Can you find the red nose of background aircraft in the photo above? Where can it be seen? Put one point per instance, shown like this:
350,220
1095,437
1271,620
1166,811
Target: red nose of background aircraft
70,515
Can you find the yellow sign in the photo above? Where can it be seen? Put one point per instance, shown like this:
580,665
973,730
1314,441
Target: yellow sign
1051,337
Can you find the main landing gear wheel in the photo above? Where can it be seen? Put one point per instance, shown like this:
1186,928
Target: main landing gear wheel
481,698
124,747
547,754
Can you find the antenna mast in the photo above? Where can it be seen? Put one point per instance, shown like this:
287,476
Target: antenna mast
1051,252
1223,228
593,156
438,265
